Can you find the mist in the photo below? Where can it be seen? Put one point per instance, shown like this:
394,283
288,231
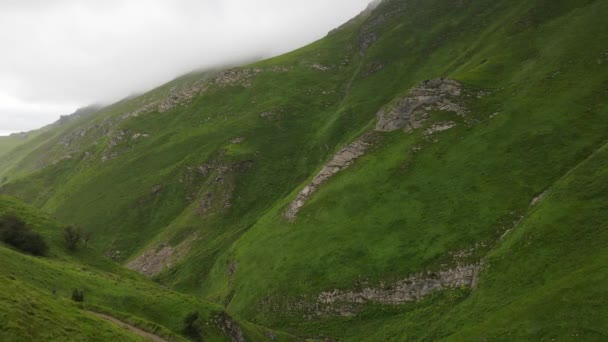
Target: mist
63,54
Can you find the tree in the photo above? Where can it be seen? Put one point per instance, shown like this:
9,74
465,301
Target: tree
71,237
190,328
87,237
15,232
78,295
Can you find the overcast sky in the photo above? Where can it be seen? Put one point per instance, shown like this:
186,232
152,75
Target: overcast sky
58,55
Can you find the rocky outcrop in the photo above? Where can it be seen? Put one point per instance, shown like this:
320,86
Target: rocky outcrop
371,68
410,289
230,327
232,77
211,184
184,96
119,142
79,113
349,302
439,127
174,99
413,110
366,40
321,67
341,160
369,33
242,77
538,198
161,257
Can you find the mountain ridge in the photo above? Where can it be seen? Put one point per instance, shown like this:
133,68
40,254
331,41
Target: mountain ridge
387,182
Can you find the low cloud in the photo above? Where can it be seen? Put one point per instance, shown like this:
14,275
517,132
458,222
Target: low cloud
57,55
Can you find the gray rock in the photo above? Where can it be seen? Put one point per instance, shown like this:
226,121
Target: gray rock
410,289
340,161
412,111
161,257
349,302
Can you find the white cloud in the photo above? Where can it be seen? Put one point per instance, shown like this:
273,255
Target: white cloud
61,53
17,115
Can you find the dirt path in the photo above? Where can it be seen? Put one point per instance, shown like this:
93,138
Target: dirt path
129,327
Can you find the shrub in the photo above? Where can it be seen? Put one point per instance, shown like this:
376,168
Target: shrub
190,328
86,238
16,233
78,295
71,237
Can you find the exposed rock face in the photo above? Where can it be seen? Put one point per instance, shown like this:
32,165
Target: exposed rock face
538,198
242,77
343,159
371,68
349,302
79,113
232,77
178,98
212,184
368,32
439,127
268,115
231,267
157,189
237,140
321,67
411,111
230,328
119,143
161,257
409,289
174,99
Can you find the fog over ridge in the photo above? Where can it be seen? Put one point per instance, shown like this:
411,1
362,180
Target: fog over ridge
63,54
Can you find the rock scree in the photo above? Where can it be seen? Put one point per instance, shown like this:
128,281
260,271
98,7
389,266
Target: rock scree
340,161
161,257
410,289
412,111
349,302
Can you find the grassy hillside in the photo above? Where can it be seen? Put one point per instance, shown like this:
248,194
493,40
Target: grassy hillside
36,291
8,143
490,197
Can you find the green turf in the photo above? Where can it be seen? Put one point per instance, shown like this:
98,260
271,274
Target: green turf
538,124
48,282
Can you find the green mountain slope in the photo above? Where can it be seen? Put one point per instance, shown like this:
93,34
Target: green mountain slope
35,302
429,170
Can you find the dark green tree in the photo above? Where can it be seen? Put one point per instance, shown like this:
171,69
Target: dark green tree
71,237
15,232
78,295
190,328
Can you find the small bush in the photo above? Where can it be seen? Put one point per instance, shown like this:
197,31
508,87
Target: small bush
78,295
190,328
86,238
71,237
16,233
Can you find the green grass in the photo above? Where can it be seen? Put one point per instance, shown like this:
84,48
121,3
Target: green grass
48,283
29,314
542,65
9,143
